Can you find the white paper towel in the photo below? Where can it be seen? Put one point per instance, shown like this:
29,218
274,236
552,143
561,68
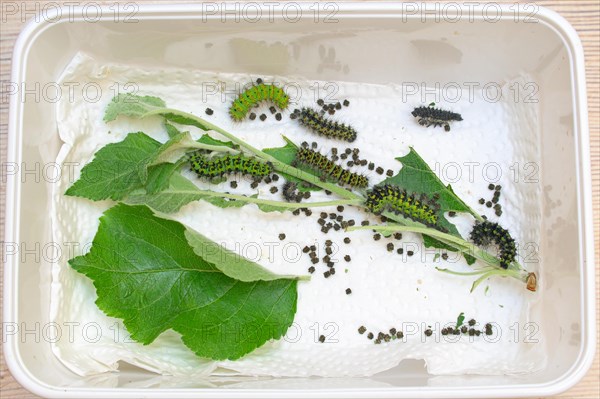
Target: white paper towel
388,290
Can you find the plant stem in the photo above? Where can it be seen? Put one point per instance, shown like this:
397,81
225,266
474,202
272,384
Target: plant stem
392,228
278,165
477,216
217,148
457,242
349,198
496,272
478,272
278,204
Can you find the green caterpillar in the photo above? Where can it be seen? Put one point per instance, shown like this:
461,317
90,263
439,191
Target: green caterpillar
216,167
329,168
316,122
388,197
255,95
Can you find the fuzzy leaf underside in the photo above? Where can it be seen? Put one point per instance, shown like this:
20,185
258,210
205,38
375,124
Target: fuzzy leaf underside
131,105
230,263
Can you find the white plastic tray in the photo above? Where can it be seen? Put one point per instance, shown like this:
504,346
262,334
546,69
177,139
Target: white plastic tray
455,44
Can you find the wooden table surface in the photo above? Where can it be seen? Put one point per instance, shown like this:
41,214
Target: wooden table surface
583,15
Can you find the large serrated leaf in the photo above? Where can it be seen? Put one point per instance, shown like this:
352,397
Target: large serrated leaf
139,161
146,273
116,169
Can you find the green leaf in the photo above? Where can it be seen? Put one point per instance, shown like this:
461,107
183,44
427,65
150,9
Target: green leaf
174,149
119,169
131,105
207,139
135,106
269,208
116,169
182,120
417,176
470,259
287,155
460,319
146,273
431,242
228,262
159,176
179,193
171,129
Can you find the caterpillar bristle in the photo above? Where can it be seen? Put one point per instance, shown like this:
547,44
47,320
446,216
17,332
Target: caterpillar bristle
316,122
486,233
216,167
391,198
431,116
330,169
255,95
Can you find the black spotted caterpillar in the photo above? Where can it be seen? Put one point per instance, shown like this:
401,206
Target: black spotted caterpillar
388,197
215,167
329,168
428,116
255,95
316,122
486,233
